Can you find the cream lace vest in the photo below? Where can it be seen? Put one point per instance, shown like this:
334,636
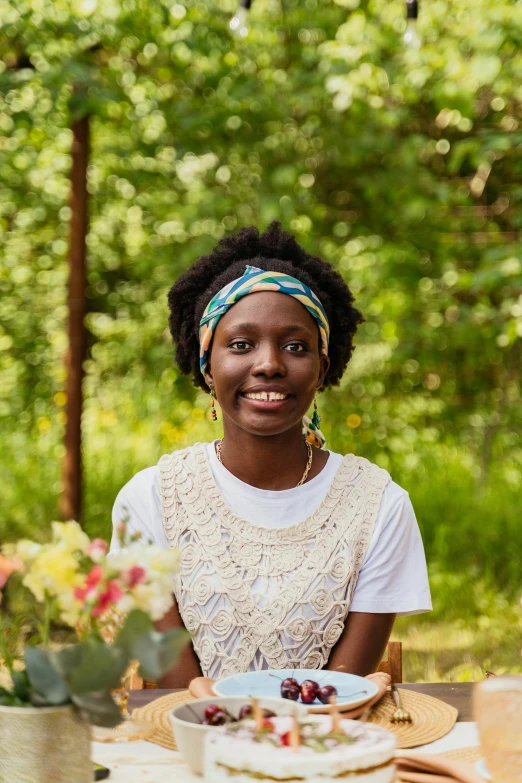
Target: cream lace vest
256,598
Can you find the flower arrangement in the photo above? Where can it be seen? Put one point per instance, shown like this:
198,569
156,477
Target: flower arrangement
75,583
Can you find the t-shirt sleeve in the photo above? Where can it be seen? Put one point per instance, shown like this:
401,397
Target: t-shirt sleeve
139,504
394,577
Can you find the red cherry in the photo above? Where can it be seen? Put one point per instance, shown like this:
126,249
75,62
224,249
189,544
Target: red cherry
211,710
290,681
308,694
290,692
219,718
245,712
326,693
309,690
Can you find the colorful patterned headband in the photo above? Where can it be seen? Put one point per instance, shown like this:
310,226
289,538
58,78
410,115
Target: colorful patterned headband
253,281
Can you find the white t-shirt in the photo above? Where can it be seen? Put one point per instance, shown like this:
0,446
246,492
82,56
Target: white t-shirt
393,577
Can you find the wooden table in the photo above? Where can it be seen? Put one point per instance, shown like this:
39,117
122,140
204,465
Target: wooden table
458,694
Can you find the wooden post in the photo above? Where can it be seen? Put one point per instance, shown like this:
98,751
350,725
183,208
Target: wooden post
71,499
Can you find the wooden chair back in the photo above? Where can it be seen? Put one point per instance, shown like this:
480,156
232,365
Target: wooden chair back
392,665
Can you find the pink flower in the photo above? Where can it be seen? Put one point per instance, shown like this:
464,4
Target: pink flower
111,595
94,578
7,567
97,550
134,576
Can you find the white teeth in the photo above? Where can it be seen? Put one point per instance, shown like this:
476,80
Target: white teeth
266,396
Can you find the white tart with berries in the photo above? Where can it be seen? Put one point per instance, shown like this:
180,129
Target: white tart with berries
317,749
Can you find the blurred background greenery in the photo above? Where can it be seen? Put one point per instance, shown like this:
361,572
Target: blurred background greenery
400,166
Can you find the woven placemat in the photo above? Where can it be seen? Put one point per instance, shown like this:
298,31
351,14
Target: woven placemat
157,712
432,718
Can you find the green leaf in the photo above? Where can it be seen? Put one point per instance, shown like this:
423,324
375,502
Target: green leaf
136,624
157,652
147,652
171,646
7,697
21,686
44,678
98,708
99,668
66,660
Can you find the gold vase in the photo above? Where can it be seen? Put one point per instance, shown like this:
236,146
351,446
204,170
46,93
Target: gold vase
498,711
40,745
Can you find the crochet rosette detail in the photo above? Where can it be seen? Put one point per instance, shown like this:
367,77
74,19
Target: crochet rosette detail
256,598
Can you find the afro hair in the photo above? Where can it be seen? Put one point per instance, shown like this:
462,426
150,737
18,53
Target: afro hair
274,250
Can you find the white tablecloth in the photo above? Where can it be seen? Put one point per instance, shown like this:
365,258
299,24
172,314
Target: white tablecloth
144,762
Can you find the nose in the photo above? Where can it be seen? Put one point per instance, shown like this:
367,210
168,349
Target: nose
269,361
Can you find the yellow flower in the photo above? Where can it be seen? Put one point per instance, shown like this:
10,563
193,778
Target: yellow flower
70,609
55,572
70,536
25,549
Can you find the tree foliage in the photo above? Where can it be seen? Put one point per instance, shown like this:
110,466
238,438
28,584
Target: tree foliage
400,166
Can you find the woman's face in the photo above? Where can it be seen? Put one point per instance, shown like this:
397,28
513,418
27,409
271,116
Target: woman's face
265,363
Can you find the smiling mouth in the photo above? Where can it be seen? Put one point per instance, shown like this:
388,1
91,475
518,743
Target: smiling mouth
266,396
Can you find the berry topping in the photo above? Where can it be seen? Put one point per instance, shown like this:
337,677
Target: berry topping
285,739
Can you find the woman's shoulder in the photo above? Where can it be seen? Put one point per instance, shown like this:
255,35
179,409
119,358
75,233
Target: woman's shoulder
138,488
149,478
393,495
353,465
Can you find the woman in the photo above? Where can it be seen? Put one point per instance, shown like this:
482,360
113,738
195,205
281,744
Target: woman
290,555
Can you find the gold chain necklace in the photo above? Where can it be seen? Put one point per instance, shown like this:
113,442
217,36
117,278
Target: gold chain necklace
219,446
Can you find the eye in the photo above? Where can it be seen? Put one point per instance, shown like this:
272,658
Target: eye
295,347
239,345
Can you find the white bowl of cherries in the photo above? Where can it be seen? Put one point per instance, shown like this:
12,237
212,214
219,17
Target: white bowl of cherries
316,689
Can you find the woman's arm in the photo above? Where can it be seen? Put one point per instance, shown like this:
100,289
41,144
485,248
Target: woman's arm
187,667
362,644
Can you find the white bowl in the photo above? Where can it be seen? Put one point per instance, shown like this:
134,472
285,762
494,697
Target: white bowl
352,690
190,735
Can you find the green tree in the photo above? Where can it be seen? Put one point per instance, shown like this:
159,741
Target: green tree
400,166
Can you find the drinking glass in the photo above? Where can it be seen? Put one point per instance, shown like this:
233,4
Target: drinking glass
498,710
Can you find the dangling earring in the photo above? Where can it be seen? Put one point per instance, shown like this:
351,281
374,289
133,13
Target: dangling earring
212,405
316,419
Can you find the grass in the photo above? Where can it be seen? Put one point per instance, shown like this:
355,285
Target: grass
480,631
